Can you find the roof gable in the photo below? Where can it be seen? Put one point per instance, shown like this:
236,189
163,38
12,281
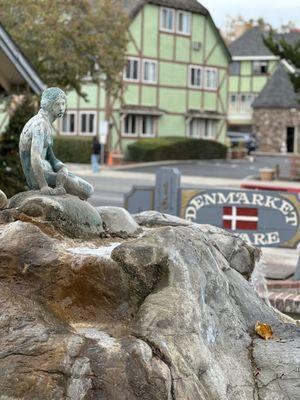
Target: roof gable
132,7
15,69
278,92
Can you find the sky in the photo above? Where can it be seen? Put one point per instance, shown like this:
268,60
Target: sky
275,12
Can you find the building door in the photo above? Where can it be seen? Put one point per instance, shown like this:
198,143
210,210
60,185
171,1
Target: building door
290,139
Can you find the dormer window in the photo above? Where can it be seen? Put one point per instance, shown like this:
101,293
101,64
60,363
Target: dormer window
167,19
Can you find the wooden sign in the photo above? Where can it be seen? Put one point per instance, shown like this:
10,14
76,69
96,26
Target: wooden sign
262,218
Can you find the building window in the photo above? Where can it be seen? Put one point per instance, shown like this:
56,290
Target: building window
149,71
200,128
88,123
260,67
184,22
235,68
211,78
147,125
139,125
67,122
167,19
132,69
196,77
233,102
130,125
246,101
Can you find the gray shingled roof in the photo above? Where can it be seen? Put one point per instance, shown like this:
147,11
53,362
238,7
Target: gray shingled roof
252,44
278,92
133,6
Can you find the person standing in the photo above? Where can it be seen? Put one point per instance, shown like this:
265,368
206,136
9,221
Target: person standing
96,155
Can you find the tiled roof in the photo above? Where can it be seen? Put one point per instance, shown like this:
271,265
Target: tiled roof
133,6
252,44
278,92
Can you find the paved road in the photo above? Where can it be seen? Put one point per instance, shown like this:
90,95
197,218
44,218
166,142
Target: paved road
110,186
225,169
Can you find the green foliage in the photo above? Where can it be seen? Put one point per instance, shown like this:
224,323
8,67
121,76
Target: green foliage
290,52
68,40
12,179
175,148
73,149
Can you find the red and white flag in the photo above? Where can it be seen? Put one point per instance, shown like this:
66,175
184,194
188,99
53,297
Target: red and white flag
238,218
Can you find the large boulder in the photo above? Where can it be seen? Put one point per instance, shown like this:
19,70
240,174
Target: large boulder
118,221
68,214
167,315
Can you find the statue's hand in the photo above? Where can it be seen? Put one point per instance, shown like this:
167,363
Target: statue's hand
52,192
48,190
63,171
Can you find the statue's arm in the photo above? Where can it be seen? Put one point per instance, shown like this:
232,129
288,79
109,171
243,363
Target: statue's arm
55,163
37,146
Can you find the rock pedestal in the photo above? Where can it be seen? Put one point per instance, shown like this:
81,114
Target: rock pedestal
166,315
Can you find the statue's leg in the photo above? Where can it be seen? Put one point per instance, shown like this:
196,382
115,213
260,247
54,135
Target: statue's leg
73,184
78,186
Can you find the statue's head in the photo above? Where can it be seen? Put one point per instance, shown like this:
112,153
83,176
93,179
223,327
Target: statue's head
54,101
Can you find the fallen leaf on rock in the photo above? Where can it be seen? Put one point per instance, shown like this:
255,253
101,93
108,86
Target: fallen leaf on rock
263,330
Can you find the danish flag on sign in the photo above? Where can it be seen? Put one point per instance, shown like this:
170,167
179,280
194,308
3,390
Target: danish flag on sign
236,218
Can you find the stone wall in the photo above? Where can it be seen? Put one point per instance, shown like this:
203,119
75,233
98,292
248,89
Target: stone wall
269,126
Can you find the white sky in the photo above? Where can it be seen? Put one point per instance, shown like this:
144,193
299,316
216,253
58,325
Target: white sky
276,12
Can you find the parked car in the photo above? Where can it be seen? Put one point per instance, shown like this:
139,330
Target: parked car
247,140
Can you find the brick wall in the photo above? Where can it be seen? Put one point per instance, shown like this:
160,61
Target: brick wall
269,126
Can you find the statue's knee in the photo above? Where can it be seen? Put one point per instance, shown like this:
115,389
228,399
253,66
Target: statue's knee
87,188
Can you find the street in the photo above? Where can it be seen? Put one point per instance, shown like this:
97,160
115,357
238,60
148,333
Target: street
111,184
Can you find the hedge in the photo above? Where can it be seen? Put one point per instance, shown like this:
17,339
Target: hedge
73,149
175,148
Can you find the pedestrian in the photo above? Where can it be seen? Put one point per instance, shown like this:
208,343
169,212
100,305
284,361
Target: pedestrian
96,155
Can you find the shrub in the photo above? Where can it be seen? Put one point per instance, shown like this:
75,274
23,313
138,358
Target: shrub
73,149
12,179
175,148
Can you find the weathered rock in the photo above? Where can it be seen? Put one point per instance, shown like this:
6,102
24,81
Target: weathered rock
164,316
68,214
118,221
155,218
3,200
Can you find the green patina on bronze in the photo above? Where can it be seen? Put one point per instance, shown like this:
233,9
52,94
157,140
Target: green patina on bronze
43,171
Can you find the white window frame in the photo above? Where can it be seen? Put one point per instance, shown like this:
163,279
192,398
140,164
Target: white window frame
190,77
68,132
209,69
139,126
162,28
126,134
138,69
87,112
208,131
146,60
189,15
141,133
245,107
234,107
